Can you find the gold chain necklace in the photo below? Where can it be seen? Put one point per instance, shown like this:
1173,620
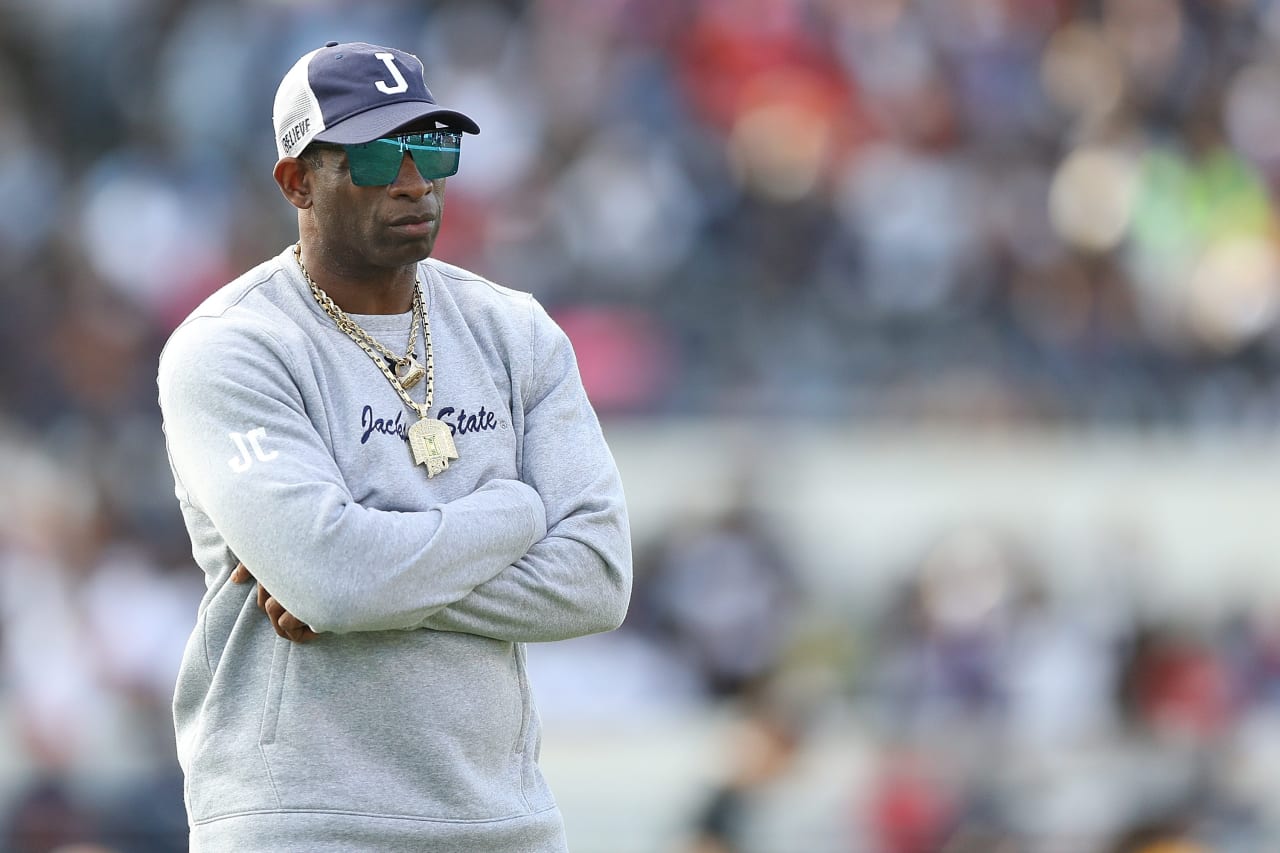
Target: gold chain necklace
408,370
429,439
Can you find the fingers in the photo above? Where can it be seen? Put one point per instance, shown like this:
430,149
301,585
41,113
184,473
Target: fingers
294,628
305,635
286,624
274,611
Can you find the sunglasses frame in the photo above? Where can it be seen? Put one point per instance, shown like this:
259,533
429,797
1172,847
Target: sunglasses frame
377,163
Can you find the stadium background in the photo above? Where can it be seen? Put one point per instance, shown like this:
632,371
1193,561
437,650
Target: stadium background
936,339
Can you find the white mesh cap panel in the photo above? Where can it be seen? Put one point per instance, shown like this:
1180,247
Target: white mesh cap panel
296,114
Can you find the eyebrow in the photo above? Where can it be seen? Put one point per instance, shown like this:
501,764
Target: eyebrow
327,148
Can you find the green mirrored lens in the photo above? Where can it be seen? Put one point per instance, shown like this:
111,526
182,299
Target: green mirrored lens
436,154
376,164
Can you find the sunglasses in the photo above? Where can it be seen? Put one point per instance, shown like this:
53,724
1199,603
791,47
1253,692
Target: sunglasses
377,163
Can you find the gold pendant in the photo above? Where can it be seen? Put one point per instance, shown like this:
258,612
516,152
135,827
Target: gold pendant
412,375
432,445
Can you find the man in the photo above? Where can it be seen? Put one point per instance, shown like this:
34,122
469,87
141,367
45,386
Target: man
402,455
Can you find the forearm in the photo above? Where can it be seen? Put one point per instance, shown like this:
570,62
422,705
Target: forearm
574,582
357,569
564,587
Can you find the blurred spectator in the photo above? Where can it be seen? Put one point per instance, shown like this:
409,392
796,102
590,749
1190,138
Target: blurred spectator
1177,685
48,817
1159,837
725,596
911,807
761,747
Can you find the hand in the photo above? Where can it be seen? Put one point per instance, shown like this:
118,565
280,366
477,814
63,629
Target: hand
286,624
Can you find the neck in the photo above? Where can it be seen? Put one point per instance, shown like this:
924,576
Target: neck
360,291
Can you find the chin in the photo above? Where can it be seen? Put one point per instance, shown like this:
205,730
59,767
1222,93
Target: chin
425,252
409,251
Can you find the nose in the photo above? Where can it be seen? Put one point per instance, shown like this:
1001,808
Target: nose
409,181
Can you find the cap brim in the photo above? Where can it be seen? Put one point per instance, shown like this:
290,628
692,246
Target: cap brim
391,118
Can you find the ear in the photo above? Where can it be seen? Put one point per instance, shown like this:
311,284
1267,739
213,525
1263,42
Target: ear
293,177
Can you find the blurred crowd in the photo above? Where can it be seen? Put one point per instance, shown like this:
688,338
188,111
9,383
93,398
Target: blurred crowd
966,212
1044,209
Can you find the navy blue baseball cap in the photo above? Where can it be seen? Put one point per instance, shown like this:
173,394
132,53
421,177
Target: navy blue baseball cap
356,92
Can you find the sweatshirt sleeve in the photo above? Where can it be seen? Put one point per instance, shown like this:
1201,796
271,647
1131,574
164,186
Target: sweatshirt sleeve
576,580
245,453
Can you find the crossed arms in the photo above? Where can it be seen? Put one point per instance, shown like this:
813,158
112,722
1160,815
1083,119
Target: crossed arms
545,557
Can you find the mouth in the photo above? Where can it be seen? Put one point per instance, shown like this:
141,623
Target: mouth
421,224
413,219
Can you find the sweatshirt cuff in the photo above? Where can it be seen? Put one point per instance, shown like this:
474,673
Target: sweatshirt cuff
534,508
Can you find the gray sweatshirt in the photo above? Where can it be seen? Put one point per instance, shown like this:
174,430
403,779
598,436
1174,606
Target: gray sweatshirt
408,723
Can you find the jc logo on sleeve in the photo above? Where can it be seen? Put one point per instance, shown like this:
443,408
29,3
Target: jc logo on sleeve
250,446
